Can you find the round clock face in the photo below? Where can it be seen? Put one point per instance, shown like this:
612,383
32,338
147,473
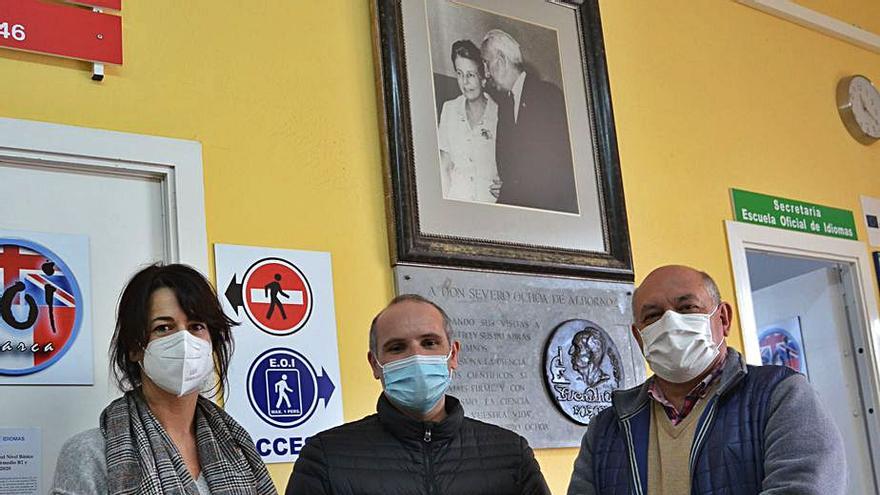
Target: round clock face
860,108
865,101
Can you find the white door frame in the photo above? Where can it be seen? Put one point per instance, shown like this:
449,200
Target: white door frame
742,236
175,163
865,335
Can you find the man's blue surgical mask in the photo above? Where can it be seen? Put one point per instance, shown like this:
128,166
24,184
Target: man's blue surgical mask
416,383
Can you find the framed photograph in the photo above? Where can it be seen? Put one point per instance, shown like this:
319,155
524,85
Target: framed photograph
499,137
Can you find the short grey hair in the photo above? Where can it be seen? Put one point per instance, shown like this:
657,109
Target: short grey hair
447,324
708,283
711,288
505,44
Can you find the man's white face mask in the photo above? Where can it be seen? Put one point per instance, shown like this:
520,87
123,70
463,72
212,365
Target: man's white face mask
178,363
680,346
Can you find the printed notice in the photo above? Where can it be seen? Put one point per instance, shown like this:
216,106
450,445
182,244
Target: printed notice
20,461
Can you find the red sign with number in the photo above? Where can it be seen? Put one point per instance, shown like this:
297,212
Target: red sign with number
70,32
101,4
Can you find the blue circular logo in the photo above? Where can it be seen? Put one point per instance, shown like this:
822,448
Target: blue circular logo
41,307
780,347
283,387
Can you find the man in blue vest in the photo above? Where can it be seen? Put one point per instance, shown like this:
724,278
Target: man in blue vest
706,422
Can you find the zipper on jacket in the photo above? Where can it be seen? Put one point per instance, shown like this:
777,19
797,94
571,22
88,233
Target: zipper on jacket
700,437
429,467
631,452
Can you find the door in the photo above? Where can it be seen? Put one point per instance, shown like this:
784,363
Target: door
122,218
809,301
801,310
118,190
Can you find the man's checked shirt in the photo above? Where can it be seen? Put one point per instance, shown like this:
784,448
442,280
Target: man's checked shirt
698,392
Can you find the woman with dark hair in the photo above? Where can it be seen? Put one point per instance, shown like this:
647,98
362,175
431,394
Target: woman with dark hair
467,131
162,436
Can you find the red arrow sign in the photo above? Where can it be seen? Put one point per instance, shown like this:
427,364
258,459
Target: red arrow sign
70,32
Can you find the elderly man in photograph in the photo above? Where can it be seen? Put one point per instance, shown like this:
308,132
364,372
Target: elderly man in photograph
532,147
419,441
706,422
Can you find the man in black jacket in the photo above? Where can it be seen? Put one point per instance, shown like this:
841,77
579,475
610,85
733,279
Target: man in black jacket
532,147
419,441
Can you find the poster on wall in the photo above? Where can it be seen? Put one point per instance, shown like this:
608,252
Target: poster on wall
284,374
45,306
782,343
20,461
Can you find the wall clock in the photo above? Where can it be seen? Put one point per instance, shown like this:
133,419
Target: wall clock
858,102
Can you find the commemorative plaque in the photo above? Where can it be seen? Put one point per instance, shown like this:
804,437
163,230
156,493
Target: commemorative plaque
539,355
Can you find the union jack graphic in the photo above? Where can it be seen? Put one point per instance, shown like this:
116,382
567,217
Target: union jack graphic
40,307
780,347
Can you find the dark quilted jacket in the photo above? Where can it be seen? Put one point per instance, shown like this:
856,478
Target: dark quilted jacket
389,453
727,454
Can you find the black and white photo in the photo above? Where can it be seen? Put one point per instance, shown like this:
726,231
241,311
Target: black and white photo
501,149
503,131
468,130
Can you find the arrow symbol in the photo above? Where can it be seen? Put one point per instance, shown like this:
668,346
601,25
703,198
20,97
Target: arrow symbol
325,387
233,294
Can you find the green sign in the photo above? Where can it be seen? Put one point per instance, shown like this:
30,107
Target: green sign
791,214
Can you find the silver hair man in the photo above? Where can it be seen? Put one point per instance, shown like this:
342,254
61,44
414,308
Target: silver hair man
505,44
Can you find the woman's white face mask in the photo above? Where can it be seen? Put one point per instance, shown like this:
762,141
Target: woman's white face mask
178,363
679,347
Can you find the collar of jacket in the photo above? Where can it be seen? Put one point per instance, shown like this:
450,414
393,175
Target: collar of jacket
630,401
407,428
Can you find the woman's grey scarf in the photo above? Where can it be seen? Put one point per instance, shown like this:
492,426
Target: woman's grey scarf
141,459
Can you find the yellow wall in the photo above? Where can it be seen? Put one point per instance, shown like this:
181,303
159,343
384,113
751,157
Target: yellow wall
707,96
865,15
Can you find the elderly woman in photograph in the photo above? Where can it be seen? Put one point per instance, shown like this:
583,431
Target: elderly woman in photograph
162,436
467,132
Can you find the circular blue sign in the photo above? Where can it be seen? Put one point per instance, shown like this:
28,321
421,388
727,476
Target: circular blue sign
780,347
282,387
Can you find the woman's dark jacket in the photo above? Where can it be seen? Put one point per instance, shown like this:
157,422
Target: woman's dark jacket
389,453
